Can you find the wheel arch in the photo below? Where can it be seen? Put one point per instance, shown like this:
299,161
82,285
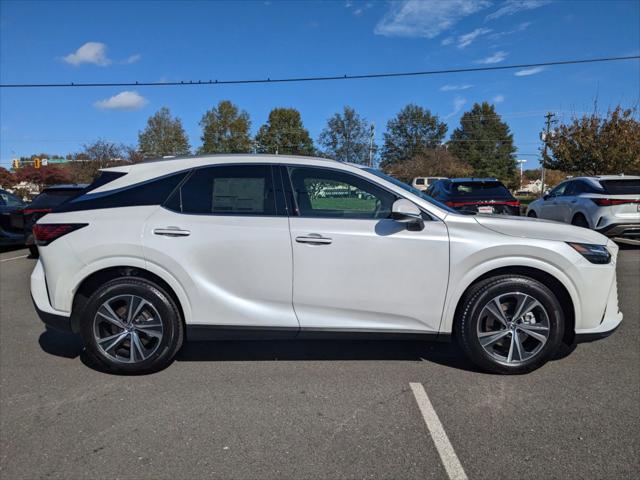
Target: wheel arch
544,277
99,277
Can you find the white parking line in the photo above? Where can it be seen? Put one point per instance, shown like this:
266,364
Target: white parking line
443,445
13,258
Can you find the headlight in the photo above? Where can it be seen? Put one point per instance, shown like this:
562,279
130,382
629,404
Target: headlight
594,253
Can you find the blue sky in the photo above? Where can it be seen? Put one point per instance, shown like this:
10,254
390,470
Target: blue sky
167,40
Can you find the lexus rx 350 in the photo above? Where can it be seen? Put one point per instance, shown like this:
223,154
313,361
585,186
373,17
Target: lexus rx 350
222,247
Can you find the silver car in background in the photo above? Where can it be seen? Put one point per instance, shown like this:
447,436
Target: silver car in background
609,204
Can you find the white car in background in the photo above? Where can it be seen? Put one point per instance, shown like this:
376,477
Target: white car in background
423,183
259,246
609,204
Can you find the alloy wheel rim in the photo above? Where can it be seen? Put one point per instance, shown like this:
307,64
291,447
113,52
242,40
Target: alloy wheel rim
513,327
127,329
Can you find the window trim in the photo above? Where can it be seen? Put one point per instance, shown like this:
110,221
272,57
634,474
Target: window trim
277,192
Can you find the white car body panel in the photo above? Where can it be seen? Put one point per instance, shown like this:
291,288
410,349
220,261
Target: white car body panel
375,275
367,277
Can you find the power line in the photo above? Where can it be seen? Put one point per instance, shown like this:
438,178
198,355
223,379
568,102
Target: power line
317,78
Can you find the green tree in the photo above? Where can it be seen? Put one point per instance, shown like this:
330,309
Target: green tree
485,142
597,145
410,133
346,137
284,133
225,129
163,135
434,162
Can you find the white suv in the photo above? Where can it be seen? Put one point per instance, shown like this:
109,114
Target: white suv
263,246
609,204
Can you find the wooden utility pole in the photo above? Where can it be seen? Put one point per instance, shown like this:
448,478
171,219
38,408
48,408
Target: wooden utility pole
545,137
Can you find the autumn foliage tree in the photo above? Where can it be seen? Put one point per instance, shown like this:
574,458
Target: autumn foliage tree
435,162
597,145
7,179
43,176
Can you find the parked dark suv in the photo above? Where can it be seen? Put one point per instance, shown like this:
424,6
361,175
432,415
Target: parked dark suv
22,220
477,195
8,204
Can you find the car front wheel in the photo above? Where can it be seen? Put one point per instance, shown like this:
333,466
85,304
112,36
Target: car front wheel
510,324
131,325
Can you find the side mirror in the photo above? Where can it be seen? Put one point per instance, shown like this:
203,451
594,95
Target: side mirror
404,211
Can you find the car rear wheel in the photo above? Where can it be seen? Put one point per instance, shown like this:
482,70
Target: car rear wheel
131,325
510,324
579,220
532,214
33,251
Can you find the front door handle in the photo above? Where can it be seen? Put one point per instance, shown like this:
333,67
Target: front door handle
313,239
171,232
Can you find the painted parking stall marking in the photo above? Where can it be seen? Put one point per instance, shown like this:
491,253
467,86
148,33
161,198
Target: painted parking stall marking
13,258
447,454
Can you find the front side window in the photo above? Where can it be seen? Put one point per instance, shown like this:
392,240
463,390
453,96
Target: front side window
227,190
321,192
559,190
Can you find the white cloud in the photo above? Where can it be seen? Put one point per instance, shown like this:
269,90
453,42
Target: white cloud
468,38
453,88
497,57
90,52
529,71
425,18
498,98
514,6
447,41
123,101
132,58
518,28
458,103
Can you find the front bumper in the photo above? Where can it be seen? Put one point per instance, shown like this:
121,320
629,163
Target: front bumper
611,320
40,297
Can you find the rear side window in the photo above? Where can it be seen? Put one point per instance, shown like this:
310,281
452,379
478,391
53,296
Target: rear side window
227,190
479,190
621,187
419,181
151,192
9,200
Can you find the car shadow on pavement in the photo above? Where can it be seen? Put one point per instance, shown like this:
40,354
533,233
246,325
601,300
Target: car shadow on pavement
325,350
60,344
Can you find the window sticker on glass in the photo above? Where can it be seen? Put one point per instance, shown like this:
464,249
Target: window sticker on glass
238,195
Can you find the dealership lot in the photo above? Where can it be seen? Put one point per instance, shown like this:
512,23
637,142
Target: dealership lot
316,409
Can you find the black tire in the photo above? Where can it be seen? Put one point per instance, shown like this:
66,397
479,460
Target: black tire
33,251
469,317
579,220
532,214
172,327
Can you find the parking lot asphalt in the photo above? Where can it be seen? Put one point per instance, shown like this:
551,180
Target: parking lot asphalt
312,409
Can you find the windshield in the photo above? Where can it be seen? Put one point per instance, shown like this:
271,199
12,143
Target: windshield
410,189
52,198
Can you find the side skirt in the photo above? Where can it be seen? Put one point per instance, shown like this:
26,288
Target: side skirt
226,332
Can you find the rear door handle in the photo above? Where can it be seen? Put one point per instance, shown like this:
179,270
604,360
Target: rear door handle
313,239
171,232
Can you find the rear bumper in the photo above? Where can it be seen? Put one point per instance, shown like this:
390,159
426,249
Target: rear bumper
53,320
624,230
40,297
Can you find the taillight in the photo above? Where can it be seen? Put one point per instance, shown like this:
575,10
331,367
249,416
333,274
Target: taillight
608,202
45,233
29,211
